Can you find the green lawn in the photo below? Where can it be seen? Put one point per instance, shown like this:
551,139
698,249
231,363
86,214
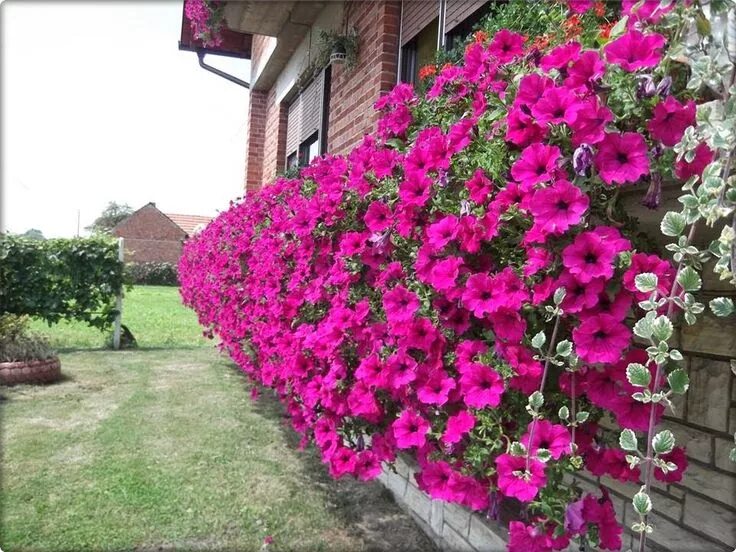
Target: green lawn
163,449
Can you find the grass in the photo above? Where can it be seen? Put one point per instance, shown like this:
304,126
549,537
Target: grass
163,449
153,314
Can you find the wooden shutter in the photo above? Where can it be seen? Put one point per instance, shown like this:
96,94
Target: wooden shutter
304,114
458,11
415,15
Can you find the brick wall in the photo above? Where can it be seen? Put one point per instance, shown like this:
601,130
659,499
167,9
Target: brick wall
274,143
354,91
255,140
150,236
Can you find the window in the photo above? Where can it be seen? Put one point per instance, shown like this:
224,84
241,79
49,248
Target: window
461,19
307,122
418,52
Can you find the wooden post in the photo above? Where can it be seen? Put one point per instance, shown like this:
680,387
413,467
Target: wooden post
118,303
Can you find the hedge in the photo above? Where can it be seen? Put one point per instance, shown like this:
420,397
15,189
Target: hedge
152,274
60,279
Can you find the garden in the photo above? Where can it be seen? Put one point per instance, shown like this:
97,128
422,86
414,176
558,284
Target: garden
473,288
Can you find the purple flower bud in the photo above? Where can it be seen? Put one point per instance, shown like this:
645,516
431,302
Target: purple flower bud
379,239
664,87
653,197
464,207
645,87
582,159
657,151
442,178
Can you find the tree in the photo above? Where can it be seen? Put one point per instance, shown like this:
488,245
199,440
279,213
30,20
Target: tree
112,214
33,234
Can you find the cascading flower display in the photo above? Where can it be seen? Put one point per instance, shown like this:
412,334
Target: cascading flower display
390,296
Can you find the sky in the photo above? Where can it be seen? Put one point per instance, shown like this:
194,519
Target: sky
99,105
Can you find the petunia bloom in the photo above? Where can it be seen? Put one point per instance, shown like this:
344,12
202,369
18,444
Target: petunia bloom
536,164
622,158
558,207
410,430
601,338
514,480
669,120
635,50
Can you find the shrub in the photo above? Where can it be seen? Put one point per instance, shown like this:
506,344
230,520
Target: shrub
72,279
152,274
459,286
17,343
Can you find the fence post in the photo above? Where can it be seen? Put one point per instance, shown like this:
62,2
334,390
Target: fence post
118,303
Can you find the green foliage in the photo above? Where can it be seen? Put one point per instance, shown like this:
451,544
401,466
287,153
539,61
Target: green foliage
152,274
72,279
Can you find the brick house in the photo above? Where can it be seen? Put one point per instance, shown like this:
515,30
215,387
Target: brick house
291,119
152,236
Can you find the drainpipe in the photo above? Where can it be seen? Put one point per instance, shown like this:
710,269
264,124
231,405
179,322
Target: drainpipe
216,71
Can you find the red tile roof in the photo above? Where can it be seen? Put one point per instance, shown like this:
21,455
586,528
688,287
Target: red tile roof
189,223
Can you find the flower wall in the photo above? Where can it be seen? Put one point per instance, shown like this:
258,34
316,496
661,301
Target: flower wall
459,287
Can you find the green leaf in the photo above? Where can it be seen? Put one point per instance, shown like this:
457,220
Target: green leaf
662,328
642,503
638,375
582,417
536,400
689,279
721,306
564,348
517,449
646,282
543,455
628,441
563,413
619,28
678,381
643,328
663,442
673,224
539,340
559,295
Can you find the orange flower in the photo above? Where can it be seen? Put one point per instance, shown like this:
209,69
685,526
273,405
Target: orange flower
599,9
572,26
480,36
427,71
605,30
541,42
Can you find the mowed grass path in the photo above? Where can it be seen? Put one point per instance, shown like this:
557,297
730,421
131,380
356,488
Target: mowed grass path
162,448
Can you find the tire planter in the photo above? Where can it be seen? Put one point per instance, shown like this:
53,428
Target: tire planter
30,371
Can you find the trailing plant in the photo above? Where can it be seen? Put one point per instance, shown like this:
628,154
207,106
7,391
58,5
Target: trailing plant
207,20
60,279
459,286
330,42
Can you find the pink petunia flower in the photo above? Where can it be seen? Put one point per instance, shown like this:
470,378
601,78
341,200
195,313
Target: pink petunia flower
703,157
536,164
515,481
479,186
442,232
590,123
669,120
481,386
457,426
557,105
635,50
553,437
587,71
622,158
589,256
678,457
529,538
558,207
410,430
436,389
400,305
522,130
378,216
561,56
601,338
478,297
506,45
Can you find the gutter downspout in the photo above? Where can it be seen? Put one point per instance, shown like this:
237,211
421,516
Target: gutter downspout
216,71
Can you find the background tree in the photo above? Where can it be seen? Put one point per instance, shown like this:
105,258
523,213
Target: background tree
33,234
111,215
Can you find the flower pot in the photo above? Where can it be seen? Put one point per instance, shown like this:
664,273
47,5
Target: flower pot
30,371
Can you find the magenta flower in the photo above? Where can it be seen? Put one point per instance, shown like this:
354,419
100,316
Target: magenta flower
400,305
442,232
557,105
587,71
703,157
670,119
536,164
478,297
622,158
481,386
515,481
561,56
506,45
601,338
635,50
378,217
436,389
529,538
457,426
557,208
521,129
553,437
531,88
479,187
589,256
590,123
444,273
410,430
367,466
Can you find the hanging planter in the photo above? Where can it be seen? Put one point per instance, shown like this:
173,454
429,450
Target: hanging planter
342,48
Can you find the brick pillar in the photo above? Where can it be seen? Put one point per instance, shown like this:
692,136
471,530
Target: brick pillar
255,140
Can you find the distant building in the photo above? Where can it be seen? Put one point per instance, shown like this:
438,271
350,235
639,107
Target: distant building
153,236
